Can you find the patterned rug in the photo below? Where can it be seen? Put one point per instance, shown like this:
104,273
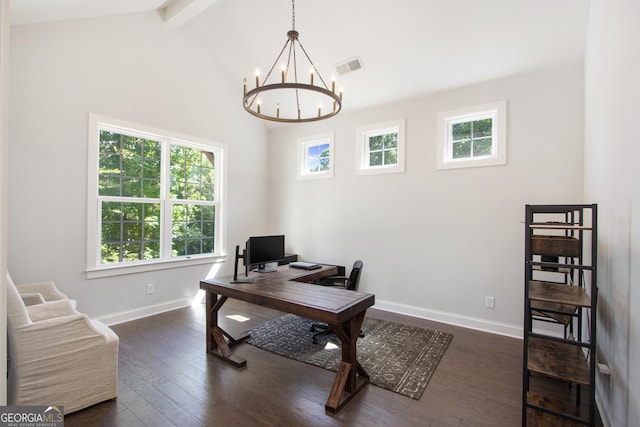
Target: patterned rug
397,357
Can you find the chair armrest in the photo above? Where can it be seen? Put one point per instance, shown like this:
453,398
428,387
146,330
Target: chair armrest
48,290
51,310
32,298
47,339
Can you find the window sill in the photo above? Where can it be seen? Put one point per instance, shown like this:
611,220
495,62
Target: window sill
108,271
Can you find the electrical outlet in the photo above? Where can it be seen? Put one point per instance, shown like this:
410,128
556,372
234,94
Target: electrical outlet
490,302
149,288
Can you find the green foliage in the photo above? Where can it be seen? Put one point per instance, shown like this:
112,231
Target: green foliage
472,139
383,149
131,167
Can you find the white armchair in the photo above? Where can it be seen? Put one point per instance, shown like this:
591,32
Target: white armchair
58,356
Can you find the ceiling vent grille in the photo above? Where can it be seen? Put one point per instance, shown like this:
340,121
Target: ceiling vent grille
349,66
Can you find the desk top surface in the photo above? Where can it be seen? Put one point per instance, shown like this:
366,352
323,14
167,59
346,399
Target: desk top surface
285,290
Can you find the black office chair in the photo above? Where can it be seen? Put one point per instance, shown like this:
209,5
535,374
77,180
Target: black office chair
350,283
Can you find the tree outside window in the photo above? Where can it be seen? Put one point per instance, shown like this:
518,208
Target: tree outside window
380,148
157,198
315,157
472,136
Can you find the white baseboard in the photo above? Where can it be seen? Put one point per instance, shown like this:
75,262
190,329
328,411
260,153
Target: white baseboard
602,408
149,310
514,331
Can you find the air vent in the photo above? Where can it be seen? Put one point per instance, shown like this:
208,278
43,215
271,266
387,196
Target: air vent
349,66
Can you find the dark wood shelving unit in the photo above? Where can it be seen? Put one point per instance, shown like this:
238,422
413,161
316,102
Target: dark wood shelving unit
560,288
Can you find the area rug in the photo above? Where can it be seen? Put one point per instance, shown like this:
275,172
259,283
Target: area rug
397,357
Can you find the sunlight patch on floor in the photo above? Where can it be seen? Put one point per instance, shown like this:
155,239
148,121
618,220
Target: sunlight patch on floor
237,317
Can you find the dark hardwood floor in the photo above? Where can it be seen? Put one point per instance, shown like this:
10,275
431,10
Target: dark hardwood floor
166,379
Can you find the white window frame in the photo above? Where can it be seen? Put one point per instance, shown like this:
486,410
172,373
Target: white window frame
497,111
363,133
303,158
95,268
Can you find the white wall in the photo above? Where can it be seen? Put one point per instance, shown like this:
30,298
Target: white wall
4,164
612,177
435,243
134,68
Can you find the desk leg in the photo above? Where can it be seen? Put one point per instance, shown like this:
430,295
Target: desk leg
217,345
351,376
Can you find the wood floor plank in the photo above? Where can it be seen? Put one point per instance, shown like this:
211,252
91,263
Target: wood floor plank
166,378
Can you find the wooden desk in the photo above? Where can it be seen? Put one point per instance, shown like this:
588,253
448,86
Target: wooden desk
285,290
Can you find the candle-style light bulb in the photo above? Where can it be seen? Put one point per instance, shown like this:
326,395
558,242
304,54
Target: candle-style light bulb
319,110
333,84
258,102
311,71
244,83
257,78
284,72
340,94
278,110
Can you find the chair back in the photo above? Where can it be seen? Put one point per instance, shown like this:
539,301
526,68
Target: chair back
354,277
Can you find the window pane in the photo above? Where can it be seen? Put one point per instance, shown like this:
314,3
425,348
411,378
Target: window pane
123,161
461,131
131,187
109,185
324,164
391,140
482,147
193,226
482,128
318,158
130,231
375,159
375,143
461,149
391,157
192,174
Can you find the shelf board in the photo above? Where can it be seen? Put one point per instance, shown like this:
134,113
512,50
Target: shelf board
561,270
561,313
537,417
558,226
559,293
564,246
557,360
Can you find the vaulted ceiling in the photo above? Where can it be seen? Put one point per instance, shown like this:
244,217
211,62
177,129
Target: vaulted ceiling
407,47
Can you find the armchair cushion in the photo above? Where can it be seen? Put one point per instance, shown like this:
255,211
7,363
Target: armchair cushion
32,298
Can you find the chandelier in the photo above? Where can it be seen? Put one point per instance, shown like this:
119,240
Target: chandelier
290,100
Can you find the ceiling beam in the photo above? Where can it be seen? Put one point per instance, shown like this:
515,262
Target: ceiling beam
179,12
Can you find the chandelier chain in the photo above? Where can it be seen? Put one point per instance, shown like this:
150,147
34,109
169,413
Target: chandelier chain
293,14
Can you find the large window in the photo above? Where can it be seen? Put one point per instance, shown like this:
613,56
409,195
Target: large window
473,136
380,148
153,197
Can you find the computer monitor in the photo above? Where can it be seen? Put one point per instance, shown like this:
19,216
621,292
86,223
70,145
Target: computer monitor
261,250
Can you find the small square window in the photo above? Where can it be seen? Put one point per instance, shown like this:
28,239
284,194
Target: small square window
473,136
380,148
315,157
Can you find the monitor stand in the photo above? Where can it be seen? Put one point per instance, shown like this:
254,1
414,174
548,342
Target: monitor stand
269,267
237,279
